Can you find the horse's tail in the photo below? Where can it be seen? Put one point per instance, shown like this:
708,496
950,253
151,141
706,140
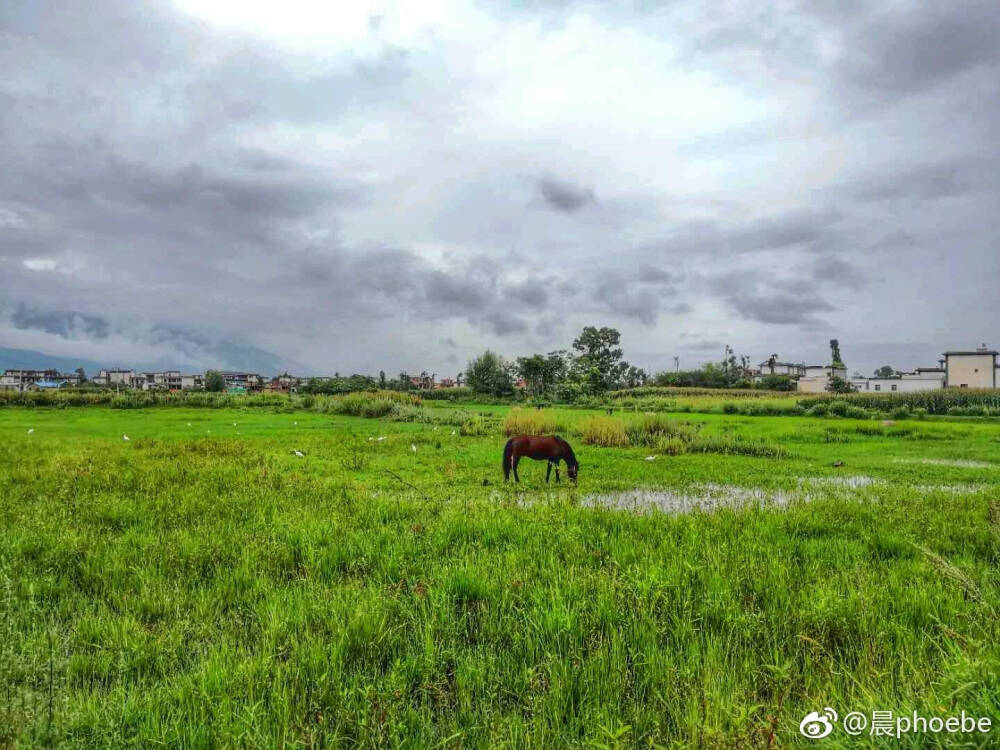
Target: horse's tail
508,453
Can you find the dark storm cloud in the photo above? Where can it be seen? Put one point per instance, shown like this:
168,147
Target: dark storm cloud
64,324
503,323
616,295
909,48
564,196
766,298
533,292
798,229
778,308
834,270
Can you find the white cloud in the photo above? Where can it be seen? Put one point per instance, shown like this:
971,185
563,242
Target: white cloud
39,264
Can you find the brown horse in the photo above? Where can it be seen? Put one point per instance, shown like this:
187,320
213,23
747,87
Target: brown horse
549,448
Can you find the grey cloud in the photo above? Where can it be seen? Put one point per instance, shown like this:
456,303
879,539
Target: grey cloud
188,188
833,270
617,295
533,292
932,181
563,196
503,323
921,45
767,298
447,291
160,346
656,275
779,309
64,324
704,345
805,228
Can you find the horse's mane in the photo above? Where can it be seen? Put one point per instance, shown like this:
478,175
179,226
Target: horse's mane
570,456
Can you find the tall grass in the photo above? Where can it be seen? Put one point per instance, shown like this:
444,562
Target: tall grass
533,422
605,431
372,405
653,429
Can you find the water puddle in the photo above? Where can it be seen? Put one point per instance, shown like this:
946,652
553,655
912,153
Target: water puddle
956,462
851,483
705,497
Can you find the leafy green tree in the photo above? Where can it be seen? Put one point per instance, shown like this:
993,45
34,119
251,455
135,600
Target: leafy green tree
214,381
634,377
838,385
885,371
543,372
490,374
835,353
381,379
83,375
777,383
599,366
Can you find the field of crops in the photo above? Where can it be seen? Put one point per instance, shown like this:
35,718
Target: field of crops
351,573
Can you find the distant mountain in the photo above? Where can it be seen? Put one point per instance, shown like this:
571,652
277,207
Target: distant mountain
31,360
229,356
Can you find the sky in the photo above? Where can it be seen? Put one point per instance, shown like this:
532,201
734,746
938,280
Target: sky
400,185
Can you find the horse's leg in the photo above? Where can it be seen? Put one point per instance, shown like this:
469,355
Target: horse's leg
557,472
517,460
548,471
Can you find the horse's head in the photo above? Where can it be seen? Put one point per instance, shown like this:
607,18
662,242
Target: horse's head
572,469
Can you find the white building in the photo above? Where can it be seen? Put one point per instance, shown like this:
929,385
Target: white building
975,369
816,378
959,369
921,379
772,366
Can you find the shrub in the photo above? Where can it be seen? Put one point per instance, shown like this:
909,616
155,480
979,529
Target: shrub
408,413
901,412
606,431
730,408
773,409
838,408
856,412
819,410
372,405
920,413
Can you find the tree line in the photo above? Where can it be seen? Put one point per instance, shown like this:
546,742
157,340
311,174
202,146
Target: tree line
593,365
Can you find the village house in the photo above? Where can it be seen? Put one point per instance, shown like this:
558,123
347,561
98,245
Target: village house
921,379
423,381
283,384
816,378
23,379
957,369
772,366
975,369
242,381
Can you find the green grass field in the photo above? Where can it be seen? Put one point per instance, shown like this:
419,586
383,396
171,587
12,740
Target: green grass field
201,585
